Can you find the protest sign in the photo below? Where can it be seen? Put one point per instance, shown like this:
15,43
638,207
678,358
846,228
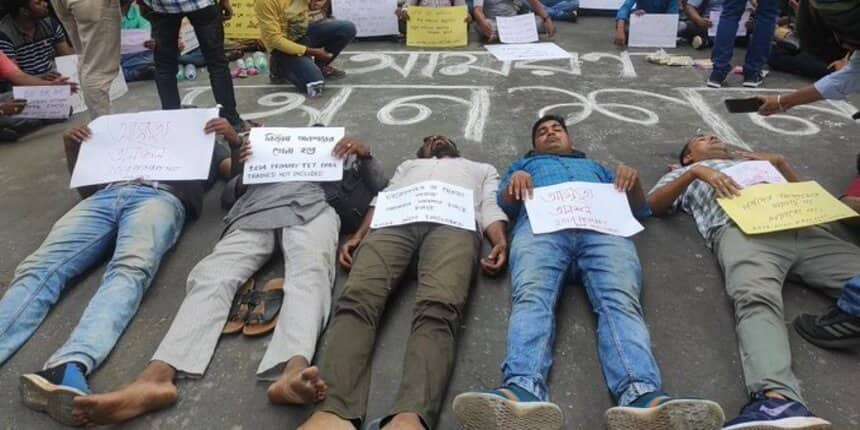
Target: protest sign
244,24
44,102
437,27
527,51
371,17
601,4
517,29
773,207
188,37
282,154
428,201
714,17
653,30
131,41
754,172
67,65
156,145
583,205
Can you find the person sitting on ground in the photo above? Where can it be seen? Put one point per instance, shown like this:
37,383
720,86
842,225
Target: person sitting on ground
301,52
622,18
609,269
814,62
11,128
136,66
755,268
135,222
698,21
402,12
486,12
562,10
31,38
447,260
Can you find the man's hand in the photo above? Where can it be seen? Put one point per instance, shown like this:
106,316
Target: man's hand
13,107
771,105
222,127
549,26
149,44
76,135
620,37
493,263
773,158
320,55
344,257
520,185
180,45
723,184
626,178
837,65
402,14
486,28
349,146
245,152
51,76
226,10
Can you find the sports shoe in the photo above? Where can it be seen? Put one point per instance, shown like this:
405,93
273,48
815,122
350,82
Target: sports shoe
698,42
835,329
573,16
753,80
716,80
763,413
52,390
657,411
506,408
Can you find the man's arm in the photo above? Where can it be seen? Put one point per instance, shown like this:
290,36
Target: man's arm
347,250
495,261
835,86
624,12
72,140
269,16
662,198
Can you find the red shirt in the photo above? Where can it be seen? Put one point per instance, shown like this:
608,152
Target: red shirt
7,67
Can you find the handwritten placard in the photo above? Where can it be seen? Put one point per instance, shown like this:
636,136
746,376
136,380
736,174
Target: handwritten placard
371,17
601,4
132,40
44,102
188,36
283,154
156,145
528,51
67,65
754,172
653,30
584,205
437,27
714,16
428,201
517,29
773,207
244,24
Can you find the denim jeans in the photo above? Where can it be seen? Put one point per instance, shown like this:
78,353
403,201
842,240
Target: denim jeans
138,66
559,10
139,224
331,34
850,300
609,270
209,28
758,50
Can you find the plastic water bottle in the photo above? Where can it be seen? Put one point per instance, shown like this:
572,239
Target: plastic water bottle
261,62
251,67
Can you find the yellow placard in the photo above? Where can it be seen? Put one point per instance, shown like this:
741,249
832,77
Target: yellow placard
773,207
437,27
244,24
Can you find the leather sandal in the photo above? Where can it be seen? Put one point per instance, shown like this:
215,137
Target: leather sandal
240,309
263,316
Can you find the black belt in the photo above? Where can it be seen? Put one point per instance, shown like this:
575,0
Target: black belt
156,185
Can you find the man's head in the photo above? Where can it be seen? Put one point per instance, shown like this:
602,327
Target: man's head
703,147
34,9
438,146
549,136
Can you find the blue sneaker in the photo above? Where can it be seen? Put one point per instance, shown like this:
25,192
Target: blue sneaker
763,413
506,408
657,411
753,80
716,80
52,391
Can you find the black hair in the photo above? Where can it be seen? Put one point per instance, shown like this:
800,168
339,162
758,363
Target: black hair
420,152
13,7
547,118
686,149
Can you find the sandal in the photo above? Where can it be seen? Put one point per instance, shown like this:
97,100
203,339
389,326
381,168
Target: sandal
262,318
240,308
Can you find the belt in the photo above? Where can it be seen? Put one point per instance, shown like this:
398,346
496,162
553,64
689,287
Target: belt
159,186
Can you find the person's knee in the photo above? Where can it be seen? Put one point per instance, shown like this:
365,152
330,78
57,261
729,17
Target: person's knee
437,317
750,300
346,30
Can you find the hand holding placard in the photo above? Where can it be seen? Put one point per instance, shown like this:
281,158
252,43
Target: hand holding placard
583,205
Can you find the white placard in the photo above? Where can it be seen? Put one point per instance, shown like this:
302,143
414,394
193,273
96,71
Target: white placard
132,41
584,205
428,201
714,16
67,65
282,154
517,29
653,30
167,145
601,4
754,172
188,37
44,102
528,51
371,17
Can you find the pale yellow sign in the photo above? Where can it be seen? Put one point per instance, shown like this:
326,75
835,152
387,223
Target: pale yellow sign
437,27
244,24
773,207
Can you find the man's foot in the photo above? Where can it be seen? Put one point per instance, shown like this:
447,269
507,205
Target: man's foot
326,421
505,408
716,80
53,391
835,329
298,387
138,398
657,411
763,413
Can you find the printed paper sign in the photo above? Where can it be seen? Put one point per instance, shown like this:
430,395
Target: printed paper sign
714,16
437,27
529,51
601,4
44,102
371,17
583,205
653,30
165,145
517,29
244,24
283,154
67,65
428,201
773,207
188,37
754,172
132,41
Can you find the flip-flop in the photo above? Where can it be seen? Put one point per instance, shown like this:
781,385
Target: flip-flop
262,318
240,308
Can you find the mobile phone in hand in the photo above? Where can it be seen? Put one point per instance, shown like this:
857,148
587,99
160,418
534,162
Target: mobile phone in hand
751,104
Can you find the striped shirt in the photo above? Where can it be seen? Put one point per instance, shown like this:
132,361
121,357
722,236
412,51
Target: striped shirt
178,6
34,55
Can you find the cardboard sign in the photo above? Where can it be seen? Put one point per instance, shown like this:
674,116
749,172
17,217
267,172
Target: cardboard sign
293,154
428,201
583,205
754,172
44,102
67,65
131,41
517,29
437,27
528,51
371,17
653,30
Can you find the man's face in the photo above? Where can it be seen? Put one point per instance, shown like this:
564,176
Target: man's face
550,138
439,146
707,147
38,9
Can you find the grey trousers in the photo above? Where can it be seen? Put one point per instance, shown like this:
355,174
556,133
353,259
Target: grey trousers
309,271
755,267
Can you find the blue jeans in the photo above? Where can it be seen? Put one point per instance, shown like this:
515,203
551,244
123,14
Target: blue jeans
139,224
758,50
139,66
849,301
559,10
608,268
331,34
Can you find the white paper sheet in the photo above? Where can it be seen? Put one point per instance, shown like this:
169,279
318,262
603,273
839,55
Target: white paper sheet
44,102
584,205
527,51
714,16
132,41
67,65
282,154
601,4
428,201
371,17
754,172
653,30
188,36
517,29
156,145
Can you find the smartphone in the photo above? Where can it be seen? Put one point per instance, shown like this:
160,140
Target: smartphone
743,105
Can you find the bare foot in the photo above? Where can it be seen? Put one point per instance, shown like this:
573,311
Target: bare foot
326,421
298,387
124,404
405,421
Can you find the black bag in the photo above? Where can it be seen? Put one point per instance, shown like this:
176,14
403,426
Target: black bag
350,197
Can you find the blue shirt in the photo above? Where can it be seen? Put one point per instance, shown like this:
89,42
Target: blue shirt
841,84
649,6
